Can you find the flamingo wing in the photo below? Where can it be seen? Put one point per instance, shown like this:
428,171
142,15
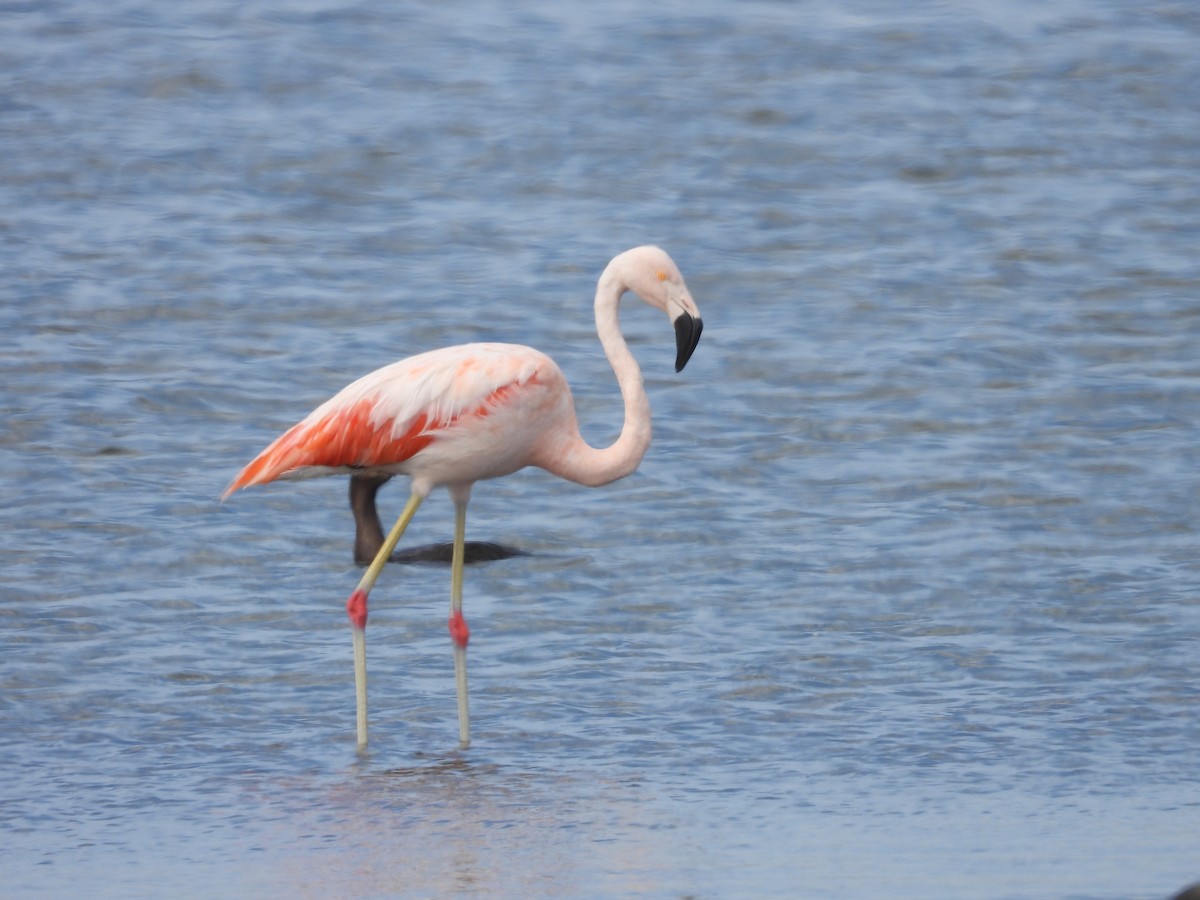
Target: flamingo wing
393,413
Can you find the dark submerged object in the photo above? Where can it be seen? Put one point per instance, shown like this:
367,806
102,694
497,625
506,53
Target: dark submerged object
368,532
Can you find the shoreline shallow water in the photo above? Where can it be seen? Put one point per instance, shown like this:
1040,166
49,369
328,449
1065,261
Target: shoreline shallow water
902,597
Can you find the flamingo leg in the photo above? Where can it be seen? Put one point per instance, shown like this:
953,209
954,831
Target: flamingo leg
356,608
458,625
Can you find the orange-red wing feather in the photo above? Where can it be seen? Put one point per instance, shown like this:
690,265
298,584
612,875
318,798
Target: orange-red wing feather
346,437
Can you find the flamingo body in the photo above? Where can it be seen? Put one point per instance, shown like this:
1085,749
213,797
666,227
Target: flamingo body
462,414
450,416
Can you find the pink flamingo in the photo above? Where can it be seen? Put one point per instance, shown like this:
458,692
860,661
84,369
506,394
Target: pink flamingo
454,416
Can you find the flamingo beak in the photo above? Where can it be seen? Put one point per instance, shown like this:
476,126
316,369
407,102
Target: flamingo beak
687,336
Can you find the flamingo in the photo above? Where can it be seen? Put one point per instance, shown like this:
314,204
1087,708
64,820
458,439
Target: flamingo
457,415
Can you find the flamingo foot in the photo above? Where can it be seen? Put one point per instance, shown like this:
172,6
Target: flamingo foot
459,633
356,609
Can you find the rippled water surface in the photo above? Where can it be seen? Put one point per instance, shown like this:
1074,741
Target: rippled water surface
903,599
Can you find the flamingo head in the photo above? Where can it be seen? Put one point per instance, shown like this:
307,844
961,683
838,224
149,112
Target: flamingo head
651,274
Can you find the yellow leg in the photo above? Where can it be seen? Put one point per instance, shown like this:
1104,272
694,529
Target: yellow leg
356,608
458,625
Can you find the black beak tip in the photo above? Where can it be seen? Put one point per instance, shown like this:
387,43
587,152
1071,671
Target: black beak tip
687,336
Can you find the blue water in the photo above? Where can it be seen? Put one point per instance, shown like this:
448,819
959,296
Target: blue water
903,599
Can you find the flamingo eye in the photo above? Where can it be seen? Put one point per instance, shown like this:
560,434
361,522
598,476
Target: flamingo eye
660,275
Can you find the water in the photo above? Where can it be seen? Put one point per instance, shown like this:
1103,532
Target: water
903,598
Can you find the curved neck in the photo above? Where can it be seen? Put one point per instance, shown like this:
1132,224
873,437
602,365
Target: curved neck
584,464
